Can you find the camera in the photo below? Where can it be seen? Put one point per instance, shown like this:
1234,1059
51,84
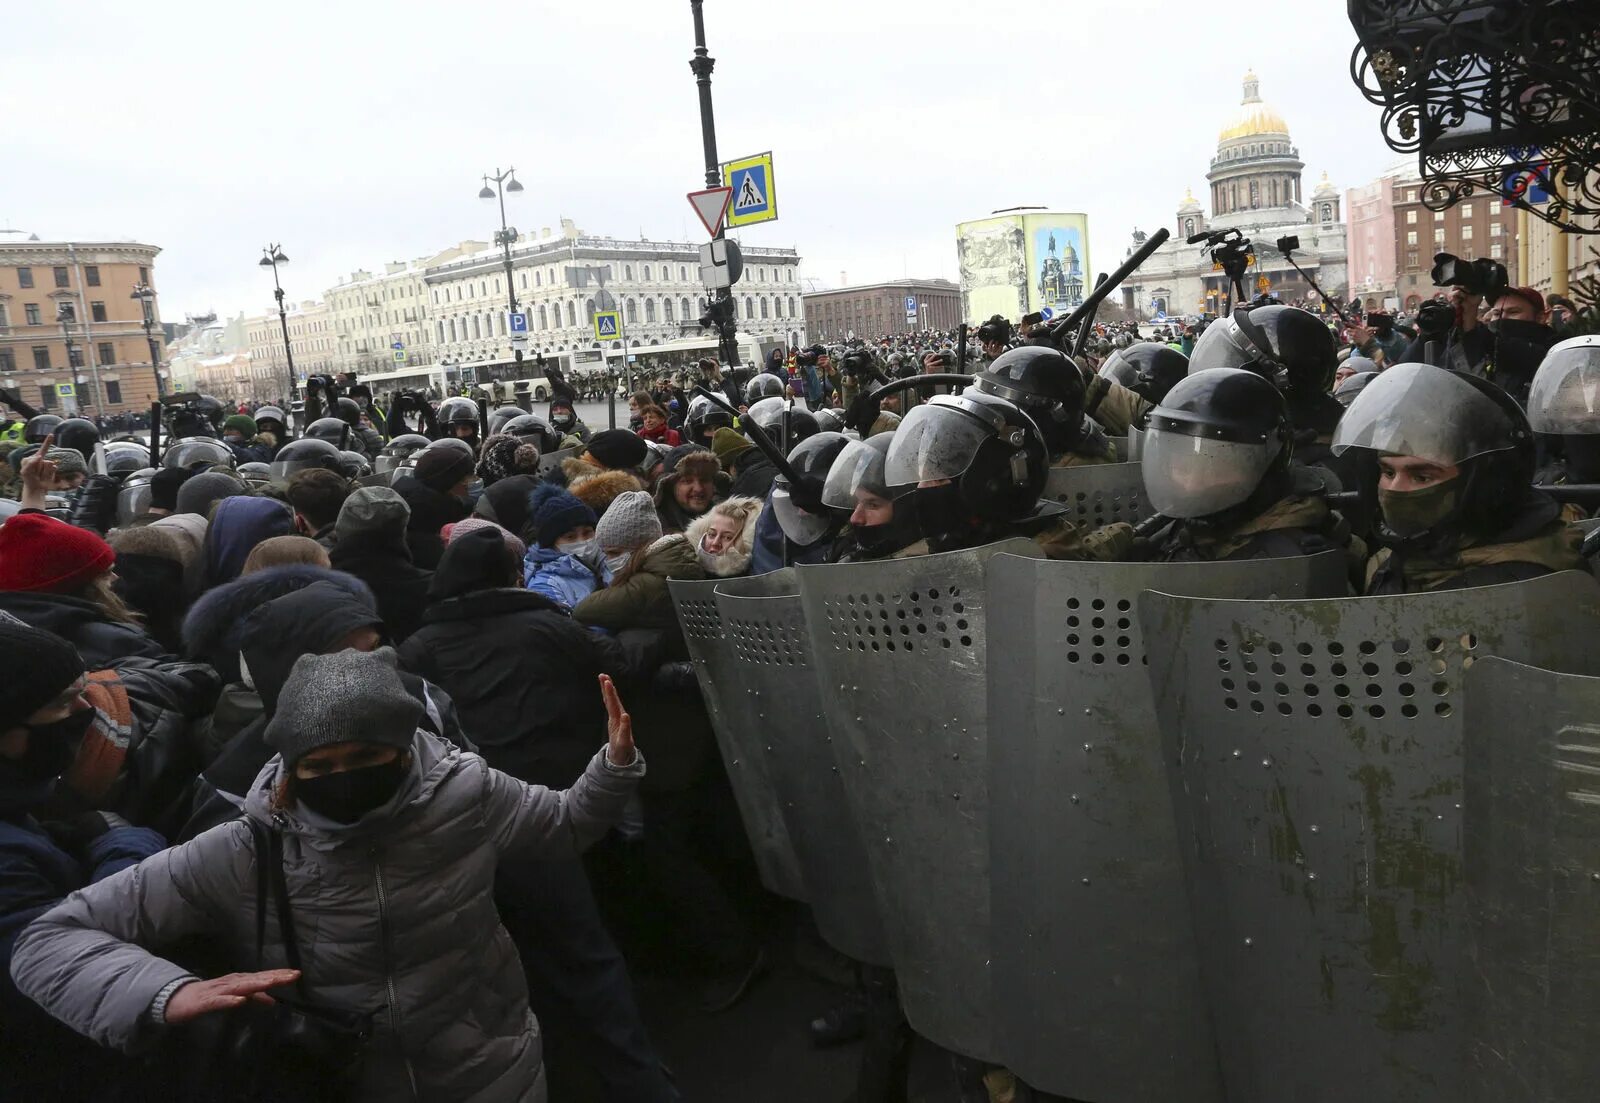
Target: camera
1289,244
1435,318
1476,277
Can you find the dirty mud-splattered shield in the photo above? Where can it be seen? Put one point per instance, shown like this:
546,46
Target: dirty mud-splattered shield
899,647
1314,751
1096,977
1100,493
774,671
1533,883
552,460
733,721
1135,443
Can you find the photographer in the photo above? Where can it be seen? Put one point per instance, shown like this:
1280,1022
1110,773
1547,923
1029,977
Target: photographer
1378,335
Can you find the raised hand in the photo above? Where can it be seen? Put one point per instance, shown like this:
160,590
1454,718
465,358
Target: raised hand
619,726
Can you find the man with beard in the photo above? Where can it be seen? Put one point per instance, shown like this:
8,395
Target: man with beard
696,485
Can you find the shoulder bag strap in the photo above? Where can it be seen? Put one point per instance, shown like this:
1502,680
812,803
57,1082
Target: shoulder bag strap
280,886
258,835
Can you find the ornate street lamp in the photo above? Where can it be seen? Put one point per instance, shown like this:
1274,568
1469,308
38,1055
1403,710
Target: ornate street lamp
271,257
146,296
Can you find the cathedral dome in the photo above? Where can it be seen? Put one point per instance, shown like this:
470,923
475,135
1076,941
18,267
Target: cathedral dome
1255,117
1190,203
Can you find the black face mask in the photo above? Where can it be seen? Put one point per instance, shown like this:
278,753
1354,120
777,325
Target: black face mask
941,514
52,746
347,796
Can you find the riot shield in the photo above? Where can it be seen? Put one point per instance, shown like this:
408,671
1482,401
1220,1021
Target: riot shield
551,460
1135,444
733,722
1314,757
1098,494
1096,977
768,638
899,646
1533,882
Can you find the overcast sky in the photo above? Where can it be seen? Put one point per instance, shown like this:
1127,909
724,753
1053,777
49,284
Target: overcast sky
355,131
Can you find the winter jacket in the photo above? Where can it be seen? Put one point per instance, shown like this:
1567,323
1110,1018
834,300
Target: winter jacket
674,518
563,579
774,551
400,586
237,526
519,669
1291,526
152,585
736,560
431,510
663,435
211,630
104,643
638,597
754,477
395,915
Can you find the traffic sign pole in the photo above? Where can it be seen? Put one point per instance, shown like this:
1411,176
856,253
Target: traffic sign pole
702,64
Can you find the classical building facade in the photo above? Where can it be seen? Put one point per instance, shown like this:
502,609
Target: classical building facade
875,309
311,339
68,316
374,312
1255,187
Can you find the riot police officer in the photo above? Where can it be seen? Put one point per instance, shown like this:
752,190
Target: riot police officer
795,526
881,520
398,452
1448,465
1048,385
705,418
304,454
1217,464
535,430
765,385
1147,368
38,427
458,418
1564,402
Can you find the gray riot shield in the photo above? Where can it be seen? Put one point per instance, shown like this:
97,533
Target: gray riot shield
1314,756
772,651
1098,494
899,646
1533,880
1135,444
1096,977
551,460
734,723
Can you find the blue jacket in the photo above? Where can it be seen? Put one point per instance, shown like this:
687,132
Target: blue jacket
813,387
562,578
768,554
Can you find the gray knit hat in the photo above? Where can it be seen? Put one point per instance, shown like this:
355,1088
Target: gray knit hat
345,697
372,510
68,461
630,521
206,489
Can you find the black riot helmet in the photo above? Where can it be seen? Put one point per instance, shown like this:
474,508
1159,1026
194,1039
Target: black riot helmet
1221,439
303,455
501,415
1047,384
133,497
1290,347
799,508
123,457
856,483
353,465
1149,369
78,433
765,385
256,473
456,415
829,421
39,426
1453,420
198,452
347,410
535,430
333,430
270,419
774,417
705,418
1564,401
1345,393
398,450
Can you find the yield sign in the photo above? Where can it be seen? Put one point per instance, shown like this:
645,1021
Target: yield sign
712,207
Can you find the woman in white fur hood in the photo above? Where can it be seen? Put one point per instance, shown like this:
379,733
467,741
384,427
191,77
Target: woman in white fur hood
724,537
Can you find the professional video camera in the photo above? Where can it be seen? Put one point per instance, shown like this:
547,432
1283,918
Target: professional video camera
1231,251
1476,277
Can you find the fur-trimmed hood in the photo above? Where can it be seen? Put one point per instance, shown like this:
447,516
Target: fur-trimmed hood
596,487
736,560
211,631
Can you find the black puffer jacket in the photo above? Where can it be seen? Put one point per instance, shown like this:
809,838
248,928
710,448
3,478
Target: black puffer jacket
104,643
400,586
211,631
431,510
520,670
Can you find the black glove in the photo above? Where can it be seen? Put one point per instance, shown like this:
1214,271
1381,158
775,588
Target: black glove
96,507
674,676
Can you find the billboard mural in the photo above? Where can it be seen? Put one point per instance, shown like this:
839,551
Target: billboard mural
1023,261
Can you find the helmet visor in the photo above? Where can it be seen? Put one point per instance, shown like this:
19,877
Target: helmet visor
798,525
1190,476
1565,397
858,467
933,442
283,470
1223,345
132,501
1422,411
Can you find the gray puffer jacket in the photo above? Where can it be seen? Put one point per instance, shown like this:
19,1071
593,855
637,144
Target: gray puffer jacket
394,914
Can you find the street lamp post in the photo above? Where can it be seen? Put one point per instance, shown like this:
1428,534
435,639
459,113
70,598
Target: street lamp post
146,297
66,315
271,257
504,182
702,63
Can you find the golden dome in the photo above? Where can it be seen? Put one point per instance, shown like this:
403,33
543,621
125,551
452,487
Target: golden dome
1254,115
1189,201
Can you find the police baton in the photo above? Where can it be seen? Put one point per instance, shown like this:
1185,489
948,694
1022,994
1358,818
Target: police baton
1087,327
754,432
1056,331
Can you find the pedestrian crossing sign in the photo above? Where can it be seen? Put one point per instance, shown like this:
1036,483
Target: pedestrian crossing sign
755,195
399,356
607,325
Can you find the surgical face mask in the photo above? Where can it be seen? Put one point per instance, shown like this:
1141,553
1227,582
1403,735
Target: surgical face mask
585,551
563,421
347,796
1410,513
616,564
51,746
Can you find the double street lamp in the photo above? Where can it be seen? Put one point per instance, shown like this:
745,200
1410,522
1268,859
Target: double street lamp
271,257
504,182
146,296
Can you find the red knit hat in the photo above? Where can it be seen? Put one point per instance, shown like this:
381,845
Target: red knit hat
38,552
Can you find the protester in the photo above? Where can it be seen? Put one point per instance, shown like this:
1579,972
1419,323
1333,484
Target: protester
724,536
640,560
371,544
281,551
316,495
695,484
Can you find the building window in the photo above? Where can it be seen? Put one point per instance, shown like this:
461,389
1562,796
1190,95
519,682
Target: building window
632,310
61,277
91,275
1495,229
792,314
683,274
113,393
777,306
589,310
47,397
1411,258
763,306
1411,218
1411,237
1438,216
107,352
538,279
1438,237
649,307
1466,210
1497,250
440,326
666,310
544,321
684,306
97,311
41,357
144,275
749,307
452,330
31,313
572,314
1466,233
477,328
646,276
24,277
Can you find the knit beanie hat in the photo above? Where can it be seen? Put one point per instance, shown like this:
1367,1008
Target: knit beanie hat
241,423
631,522
41,554
454,532
39,665
617,448
68,461
164,485
555,511
345,697
206,489
505,455
372,511
442,468
729,445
